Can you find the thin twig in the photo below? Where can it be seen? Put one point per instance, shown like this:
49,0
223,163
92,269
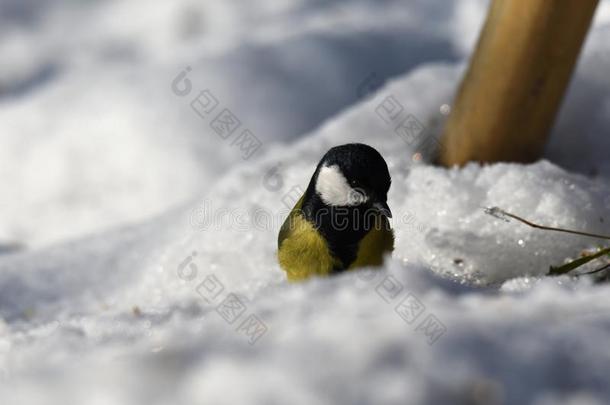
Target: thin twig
604,267
495,210
563,269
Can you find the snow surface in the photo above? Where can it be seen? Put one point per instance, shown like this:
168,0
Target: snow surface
165,220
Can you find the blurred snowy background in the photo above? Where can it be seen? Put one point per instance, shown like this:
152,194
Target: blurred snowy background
107,268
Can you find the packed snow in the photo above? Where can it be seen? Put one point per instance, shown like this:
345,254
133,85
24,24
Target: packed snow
137,246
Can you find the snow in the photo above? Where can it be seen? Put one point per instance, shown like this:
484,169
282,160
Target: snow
140,225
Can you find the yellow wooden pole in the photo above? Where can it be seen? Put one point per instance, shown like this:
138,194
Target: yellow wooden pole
509,97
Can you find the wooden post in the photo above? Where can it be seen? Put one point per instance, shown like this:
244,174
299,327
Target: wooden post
509,97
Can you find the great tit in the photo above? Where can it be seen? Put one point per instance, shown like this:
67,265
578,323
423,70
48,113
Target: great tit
341,221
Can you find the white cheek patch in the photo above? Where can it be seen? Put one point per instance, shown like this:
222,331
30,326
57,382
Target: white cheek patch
334,190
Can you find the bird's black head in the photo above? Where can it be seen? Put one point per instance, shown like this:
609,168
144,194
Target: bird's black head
352,175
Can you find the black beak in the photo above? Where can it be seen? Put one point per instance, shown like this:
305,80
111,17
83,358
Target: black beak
382,207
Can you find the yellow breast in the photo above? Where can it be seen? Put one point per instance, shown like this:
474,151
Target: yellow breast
303,251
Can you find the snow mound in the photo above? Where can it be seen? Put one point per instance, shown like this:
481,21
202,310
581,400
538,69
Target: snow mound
191,306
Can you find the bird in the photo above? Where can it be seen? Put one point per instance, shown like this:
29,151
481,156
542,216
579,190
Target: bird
341,222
